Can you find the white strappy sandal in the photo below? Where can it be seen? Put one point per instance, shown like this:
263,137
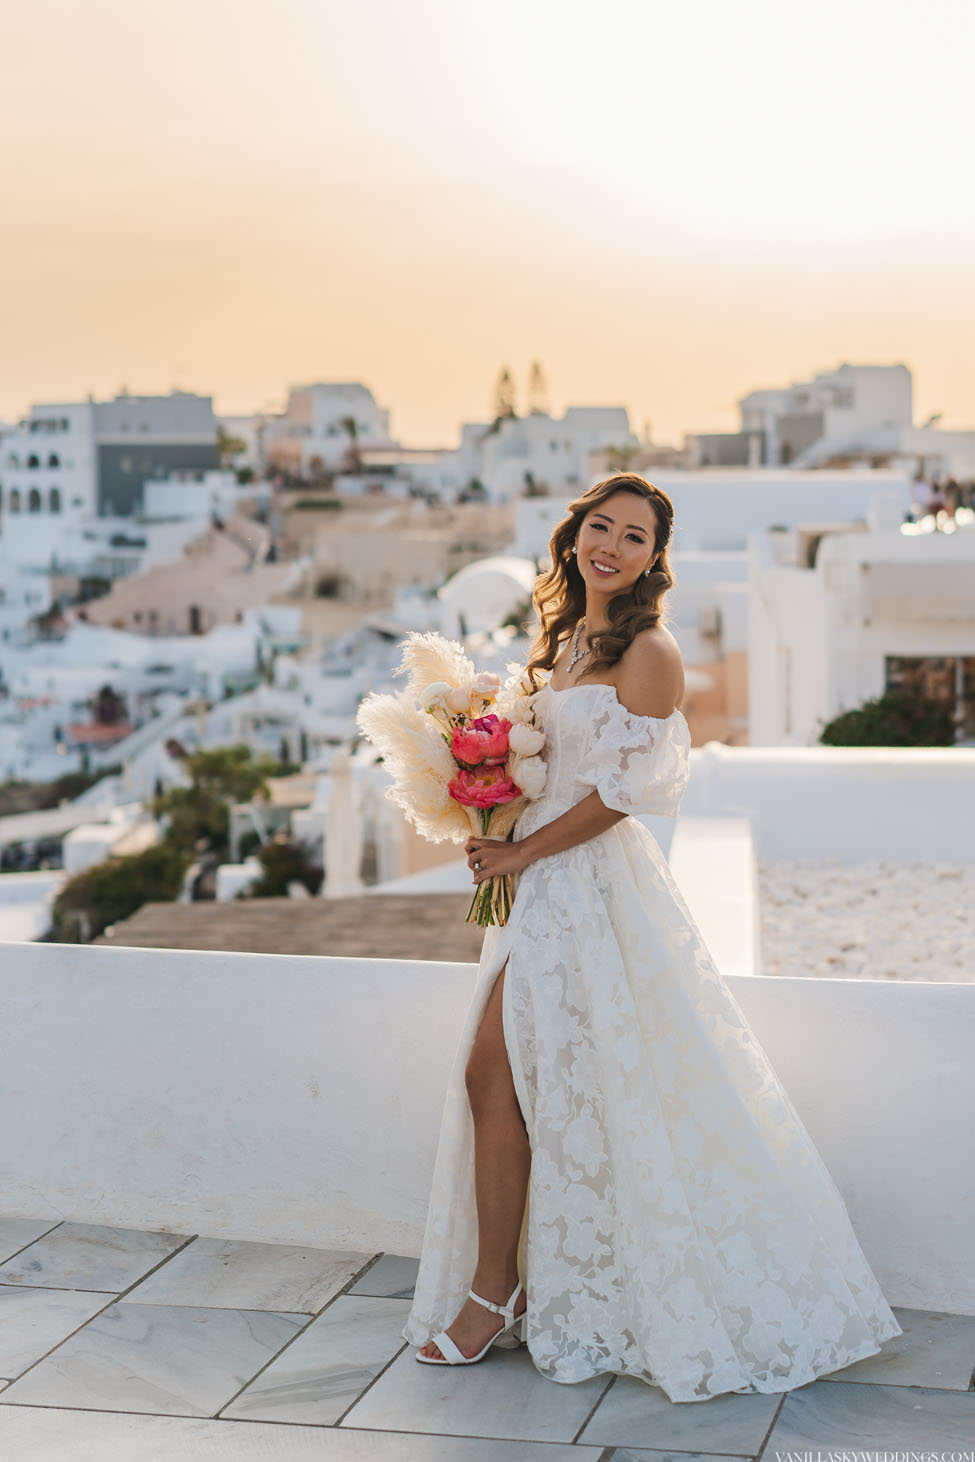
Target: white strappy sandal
511,1336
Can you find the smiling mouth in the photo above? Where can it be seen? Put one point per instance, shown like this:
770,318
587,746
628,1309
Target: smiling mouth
603,568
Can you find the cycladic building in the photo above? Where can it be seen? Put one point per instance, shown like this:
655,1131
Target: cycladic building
856,414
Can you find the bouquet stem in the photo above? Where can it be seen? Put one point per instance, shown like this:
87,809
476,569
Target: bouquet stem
491,903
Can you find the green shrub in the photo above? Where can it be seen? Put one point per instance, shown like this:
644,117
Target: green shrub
112,891
897,718
283,863
220,778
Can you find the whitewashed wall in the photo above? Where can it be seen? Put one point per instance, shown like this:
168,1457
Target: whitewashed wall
298,1100
851,803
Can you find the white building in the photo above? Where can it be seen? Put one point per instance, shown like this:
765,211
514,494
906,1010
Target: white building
840,613
320,425
48,488
75,479
852,414
540,453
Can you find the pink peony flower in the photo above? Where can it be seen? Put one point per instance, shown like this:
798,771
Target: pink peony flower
484,741
484,788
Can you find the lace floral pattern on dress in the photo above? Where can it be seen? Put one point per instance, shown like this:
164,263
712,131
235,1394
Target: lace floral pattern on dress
681,1226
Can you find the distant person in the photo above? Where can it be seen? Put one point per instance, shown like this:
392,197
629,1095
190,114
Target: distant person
682,1228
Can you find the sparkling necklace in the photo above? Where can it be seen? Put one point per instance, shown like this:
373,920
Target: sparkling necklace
578,654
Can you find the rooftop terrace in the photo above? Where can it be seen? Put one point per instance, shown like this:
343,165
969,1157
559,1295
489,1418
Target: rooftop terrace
216,1168
124,1345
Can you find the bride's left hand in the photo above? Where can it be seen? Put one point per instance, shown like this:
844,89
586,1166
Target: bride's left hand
495,856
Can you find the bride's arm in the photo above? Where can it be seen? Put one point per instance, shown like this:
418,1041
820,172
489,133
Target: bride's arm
585,820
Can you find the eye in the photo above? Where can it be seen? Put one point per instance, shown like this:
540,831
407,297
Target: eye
636,538
598,525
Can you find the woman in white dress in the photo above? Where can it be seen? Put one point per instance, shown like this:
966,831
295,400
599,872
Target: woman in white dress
621,1180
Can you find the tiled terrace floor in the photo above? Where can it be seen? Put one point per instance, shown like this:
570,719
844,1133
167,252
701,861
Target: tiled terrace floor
118,1345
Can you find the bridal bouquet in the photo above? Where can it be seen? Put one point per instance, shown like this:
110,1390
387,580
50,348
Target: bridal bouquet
462,749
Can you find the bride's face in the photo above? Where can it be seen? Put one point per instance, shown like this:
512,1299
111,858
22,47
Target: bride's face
616,543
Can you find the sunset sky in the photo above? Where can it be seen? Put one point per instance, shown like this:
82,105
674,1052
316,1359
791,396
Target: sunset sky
668,204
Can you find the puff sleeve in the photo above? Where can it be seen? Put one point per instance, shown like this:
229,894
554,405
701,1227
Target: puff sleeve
637,764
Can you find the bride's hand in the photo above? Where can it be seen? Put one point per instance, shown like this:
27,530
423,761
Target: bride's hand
490,857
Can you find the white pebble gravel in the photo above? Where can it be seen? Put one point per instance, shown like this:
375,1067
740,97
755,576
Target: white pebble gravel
871,921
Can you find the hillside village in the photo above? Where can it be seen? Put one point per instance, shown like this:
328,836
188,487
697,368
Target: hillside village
174,584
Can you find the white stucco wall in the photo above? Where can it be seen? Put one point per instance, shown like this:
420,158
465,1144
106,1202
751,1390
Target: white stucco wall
298,1100
819,637
851,803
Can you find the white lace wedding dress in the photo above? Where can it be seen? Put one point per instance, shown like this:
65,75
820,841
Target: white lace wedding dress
680,1224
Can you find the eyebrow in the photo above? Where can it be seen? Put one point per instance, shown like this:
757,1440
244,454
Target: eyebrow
638,526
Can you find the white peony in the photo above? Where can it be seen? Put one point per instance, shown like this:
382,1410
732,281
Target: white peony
529,773
435,694
524,741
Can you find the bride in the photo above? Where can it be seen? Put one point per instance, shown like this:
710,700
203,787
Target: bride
621,1180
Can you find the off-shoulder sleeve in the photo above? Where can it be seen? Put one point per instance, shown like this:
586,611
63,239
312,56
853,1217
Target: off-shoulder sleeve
637,764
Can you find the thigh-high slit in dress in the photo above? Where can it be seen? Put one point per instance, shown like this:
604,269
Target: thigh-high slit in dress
680,1225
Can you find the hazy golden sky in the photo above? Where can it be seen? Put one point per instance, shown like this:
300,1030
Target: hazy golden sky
669,204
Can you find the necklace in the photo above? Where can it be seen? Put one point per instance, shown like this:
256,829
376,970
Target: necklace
578,654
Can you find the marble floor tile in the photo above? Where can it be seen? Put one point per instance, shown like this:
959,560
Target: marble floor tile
635,1414
90,1256
165,1359
33,1321
936,1350
233,1275
393,1276
501,1396
637,1454
29,1434
828,1415
329,1365
16,1232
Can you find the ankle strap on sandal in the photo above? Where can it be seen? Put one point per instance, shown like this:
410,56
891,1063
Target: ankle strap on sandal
507,1310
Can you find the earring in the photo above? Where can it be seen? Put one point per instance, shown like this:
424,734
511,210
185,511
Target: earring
573,548
646,573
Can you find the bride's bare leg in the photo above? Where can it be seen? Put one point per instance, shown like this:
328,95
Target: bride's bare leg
502,1157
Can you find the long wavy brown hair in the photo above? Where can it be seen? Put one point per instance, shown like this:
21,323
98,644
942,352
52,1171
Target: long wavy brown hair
559,595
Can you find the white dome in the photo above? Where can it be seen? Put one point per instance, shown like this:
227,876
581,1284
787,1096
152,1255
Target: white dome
482,594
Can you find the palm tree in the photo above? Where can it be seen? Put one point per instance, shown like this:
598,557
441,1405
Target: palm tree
353,456
229,447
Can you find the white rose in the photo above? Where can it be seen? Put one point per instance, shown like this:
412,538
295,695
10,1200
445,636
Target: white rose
435,694
524,741
459,700
529,773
